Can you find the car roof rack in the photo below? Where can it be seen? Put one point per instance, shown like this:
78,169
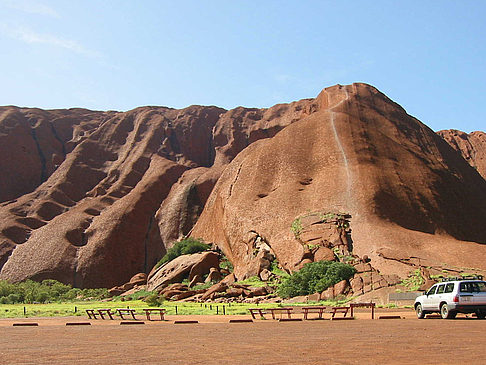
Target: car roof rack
459,278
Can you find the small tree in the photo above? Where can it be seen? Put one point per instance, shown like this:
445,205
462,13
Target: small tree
185,247
315,277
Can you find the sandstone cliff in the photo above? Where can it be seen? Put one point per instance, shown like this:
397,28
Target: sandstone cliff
410,196
472,147
92,198
121,191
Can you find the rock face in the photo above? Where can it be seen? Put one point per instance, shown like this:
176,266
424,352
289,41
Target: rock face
92,198
472,147
34,142
408,193
121,189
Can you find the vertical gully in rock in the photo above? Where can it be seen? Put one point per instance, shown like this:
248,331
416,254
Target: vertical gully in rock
146,241
42,158
54,132
348,199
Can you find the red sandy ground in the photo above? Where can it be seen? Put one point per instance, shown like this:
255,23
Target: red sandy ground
215,341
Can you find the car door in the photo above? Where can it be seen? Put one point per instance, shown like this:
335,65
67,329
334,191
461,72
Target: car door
438,297
429,297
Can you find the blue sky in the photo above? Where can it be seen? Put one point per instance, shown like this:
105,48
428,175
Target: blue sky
429,56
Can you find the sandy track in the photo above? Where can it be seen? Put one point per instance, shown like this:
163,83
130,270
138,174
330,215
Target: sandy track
404,341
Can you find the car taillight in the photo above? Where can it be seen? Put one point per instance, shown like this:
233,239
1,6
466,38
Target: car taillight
456,299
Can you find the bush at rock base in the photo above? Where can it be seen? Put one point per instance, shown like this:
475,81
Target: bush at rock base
185,247
153,300
314,277
46,291
225,263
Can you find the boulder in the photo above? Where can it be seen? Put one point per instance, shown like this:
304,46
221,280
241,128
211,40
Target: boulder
139,279
341,288
327,294
324,254
303,262
266,275
356,284
367,288
366,277
213,276
210,260
127,286
131,291
183,295
115,291
363,267
182,267
230,279
216,288
235,292
168,294
176,286
258,292
298,299
241,286
314,297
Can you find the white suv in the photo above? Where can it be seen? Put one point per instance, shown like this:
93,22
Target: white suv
452,296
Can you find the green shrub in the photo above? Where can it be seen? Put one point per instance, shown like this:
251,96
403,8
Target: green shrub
314,277
98,293
414,280
184,247
47,291
153,300
225,263
275,269
296,227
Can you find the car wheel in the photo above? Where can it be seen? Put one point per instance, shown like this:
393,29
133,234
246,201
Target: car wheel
480,314
420,312
445,313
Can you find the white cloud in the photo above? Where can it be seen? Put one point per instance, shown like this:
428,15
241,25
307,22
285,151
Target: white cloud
27,35
32,7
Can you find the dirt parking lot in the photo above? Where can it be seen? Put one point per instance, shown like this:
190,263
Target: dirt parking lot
215,341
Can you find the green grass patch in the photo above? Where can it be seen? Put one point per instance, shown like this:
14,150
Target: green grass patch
183,308
296,227
414,281
254,281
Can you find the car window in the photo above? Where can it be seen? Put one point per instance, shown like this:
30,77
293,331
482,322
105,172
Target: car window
481,286
441,288
432,290
449,288
473,287
465,288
